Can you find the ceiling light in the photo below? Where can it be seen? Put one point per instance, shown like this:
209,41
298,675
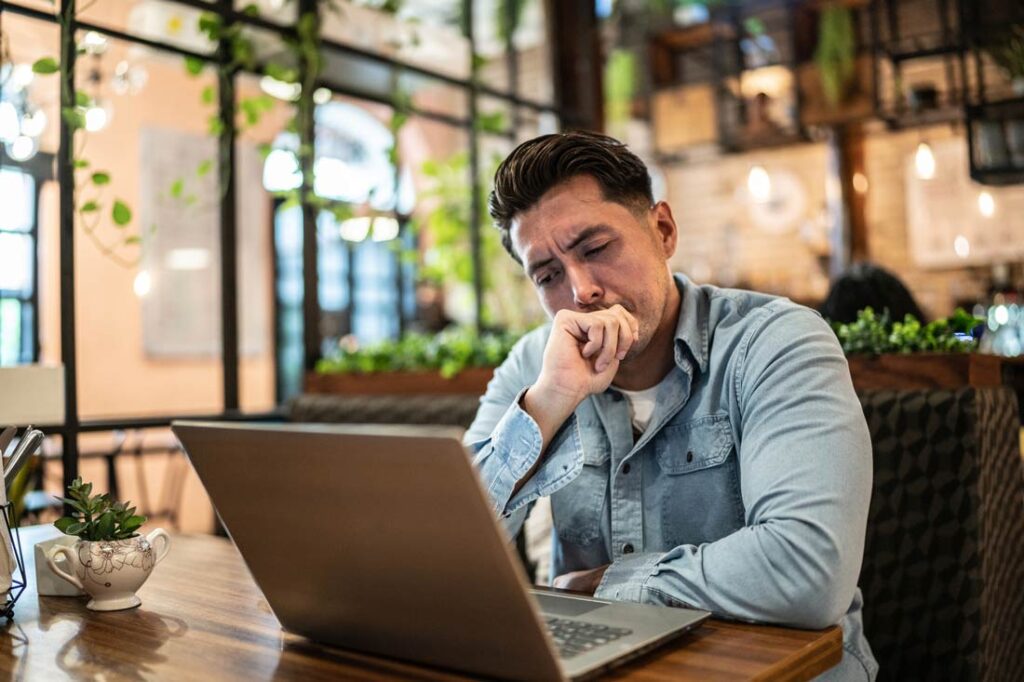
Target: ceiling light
759,184
22,148
961,246
860,183
289,92
355,229
384,229
924,161
96,118
986,204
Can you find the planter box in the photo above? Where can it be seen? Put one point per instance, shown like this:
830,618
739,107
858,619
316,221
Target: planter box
472,381
925,370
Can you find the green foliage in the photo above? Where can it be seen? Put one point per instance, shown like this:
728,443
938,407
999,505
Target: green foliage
620,85
449,352
46,66
97,517
100,178
121,214
1008,54
874,334
837,52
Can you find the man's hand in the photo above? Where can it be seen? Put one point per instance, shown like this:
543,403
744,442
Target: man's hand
581,358
581,581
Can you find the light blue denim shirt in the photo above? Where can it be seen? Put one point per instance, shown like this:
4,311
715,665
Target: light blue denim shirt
748,493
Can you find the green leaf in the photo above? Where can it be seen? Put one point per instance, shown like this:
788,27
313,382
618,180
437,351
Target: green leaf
82,99
251,10
208,95
194,66
204,168
105,526
46,66
121,214
73,117
177,187
132,240
210,24
282,73
100,178
80,163
76,528
64,523
89,207
215,126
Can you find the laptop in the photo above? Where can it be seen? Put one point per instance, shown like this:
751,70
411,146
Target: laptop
380,539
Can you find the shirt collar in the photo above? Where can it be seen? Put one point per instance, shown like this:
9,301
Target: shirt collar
692,327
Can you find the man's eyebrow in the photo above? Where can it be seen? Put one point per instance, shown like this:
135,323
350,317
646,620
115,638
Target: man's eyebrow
584,234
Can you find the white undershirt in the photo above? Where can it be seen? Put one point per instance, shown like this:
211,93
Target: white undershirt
641,405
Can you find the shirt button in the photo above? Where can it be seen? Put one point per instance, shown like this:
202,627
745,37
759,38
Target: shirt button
625,468
627,548
689,456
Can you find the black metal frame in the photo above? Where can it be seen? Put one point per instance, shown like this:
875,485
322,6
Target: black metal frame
9,531
73,425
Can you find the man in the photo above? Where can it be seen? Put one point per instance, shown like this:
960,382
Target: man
700,446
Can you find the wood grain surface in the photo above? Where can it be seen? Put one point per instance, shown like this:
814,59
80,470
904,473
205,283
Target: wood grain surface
202,617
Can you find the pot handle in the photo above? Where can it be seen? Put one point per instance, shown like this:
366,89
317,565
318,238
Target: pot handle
160,534
69,556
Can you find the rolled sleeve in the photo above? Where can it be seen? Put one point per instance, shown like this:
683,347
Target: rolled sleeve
626,579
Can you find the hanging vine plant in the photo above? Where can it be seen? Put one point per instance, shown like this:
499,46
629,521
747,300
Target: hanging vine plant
94,202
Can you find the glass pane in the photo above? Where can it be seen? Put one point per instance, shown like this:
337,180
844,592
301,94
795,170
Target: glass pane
163,21
17,196
262,119
16,263
10,332
288,289
147,267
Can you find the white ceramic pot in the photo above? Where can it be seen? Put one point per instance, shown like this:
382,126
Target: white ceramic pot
111,572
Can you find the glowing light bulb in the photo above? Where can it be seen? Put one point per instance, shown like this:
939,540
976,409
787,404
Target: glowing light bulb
986,204
143,283
759,184
924,161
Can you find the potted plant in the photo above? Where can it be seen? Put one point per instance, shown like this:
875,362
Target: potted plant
908,354
111,560
457,360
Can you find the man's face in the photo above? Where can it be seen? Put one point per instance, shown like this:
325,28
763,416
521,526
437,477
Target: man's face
584,253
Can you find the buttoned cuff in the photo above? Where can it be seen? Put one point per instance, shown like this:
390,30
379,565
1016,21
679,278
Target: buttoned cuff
517,441
625,578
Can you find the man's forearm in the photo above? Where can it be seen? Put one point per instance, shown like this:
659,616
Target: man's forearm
550,410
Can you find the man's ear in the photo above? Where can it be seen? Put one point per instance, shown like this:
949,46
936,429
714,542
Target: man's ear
665,228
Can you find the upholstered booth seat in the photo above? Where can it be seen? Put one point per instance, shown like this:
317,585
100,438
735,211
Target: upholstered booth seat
943,574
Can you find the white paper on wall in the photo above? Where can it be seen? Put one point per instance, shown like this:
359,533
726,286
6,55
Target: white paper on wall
181,247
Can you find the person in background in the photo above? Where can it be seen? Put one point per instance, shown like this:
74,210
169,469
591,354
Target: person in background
864,285
699,446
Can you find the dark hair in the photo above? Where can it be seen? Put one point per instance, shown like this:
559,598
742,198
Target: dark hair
866,285
538,165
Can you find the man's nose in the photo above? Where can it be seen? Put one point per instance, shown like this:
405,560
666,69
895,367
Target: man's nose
586,291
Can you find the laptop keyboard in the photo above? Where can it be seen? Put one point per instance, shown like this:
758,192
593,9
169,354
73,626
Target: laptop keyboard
575,637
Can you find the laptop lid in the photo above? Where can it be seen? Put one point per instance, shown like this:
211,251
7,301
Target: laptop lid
374,538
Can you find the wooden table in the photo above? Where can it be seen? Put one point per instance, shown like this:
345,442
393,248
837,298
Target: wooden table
202,617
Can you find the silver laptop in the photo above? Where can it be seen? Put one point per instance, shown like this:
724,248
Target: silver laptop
380,539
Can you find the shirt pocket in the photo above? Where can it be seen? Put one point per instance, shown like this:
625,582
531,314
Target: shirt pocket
699,481
577,510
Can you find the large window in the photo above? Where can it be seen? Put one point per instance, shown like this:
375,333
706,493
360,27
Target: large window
19,231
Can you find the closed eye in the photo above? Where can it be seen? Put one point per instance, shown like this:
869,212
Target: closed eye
546,278
590,253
